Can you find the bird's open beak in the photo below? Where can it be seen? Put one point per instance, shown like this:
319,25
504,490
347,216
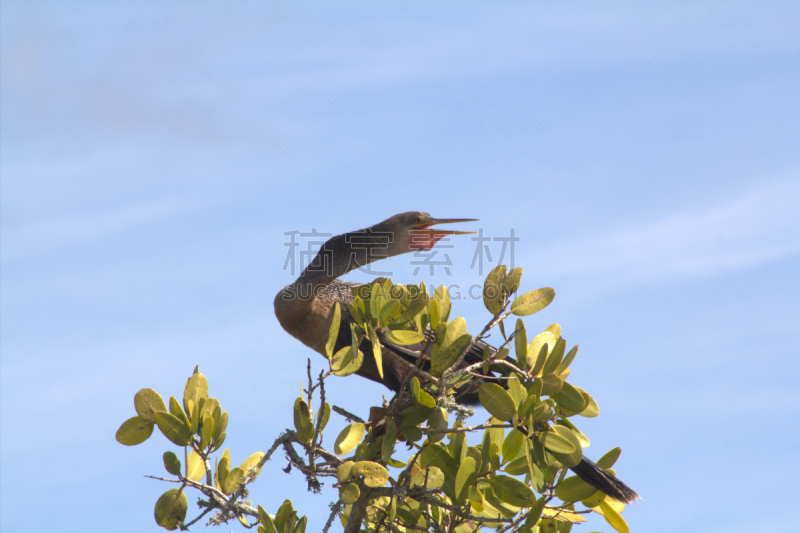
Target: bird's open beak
423,237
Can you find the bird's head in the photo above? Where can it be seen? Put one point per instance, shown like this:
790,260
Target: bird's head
412,231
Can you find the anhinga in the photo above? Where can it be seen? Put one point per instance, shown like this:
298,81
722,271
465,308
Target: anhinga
305,310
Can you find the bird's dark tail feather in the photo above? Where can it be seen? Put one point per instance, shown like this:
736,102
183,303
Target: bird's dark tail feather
603,481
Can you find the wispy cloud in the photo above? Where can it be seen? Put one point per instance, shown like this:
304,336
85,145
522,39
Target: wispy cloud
755,227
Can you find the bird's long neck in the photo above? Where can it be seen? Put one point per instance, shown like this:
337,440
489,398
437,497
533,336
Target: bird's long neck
336,257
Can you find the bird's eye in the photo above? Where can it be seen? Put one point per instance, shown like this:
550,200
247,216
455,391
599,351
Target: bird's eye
416,220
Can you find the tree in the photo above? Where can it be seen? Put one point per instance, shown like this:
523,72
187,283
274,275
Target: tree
516,479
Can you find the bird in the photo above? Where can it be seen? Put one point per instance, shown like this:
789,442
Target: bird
305,310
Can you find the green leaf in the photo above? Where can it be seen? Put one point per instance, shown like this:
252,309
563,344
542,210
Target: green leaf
171,509
389,311
176,409
389,440
207,433
564,365
302,421
251,462
333,330
195,468
569,458
266,520
349,493
534,514
172,463
609,458
147,402
134,431
326,415
614,519
376,347
433,313
533,301
518,392
554,359
344,363
443,359
497,401
438,421
434,474
538,349
591,410
511,280
465,478
557,443
285,517
574,489
195,389
349,438
173,428
512,491
521,342
512,444
403,337
493,296
232,481
223,468
343,473
570,398
375,475
551,384
442,298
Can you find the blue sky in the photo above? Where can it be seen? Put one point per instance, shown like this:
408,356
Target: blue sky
154,154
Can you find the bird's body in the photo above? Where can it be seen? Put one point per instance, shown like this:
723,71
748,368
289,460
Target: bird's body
305,310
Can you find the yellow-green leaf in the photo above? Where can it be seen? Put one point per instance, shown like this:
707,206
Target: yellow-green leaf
333,330
266,520
438,421
232,481
134,431
533,301
302,421
349,493
465,478
251,462
443,359
173,428
556,443
376,347
389,440
375,475
511,280
434,475
521,342
172,463
223,468
574,489
512,491
147,402
614,519
171,509
195,468
344,472
349,438
570,398
497,401
344,363
512,444
195,389
207,433
609,458
176,409
403,337
493,296
442,297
